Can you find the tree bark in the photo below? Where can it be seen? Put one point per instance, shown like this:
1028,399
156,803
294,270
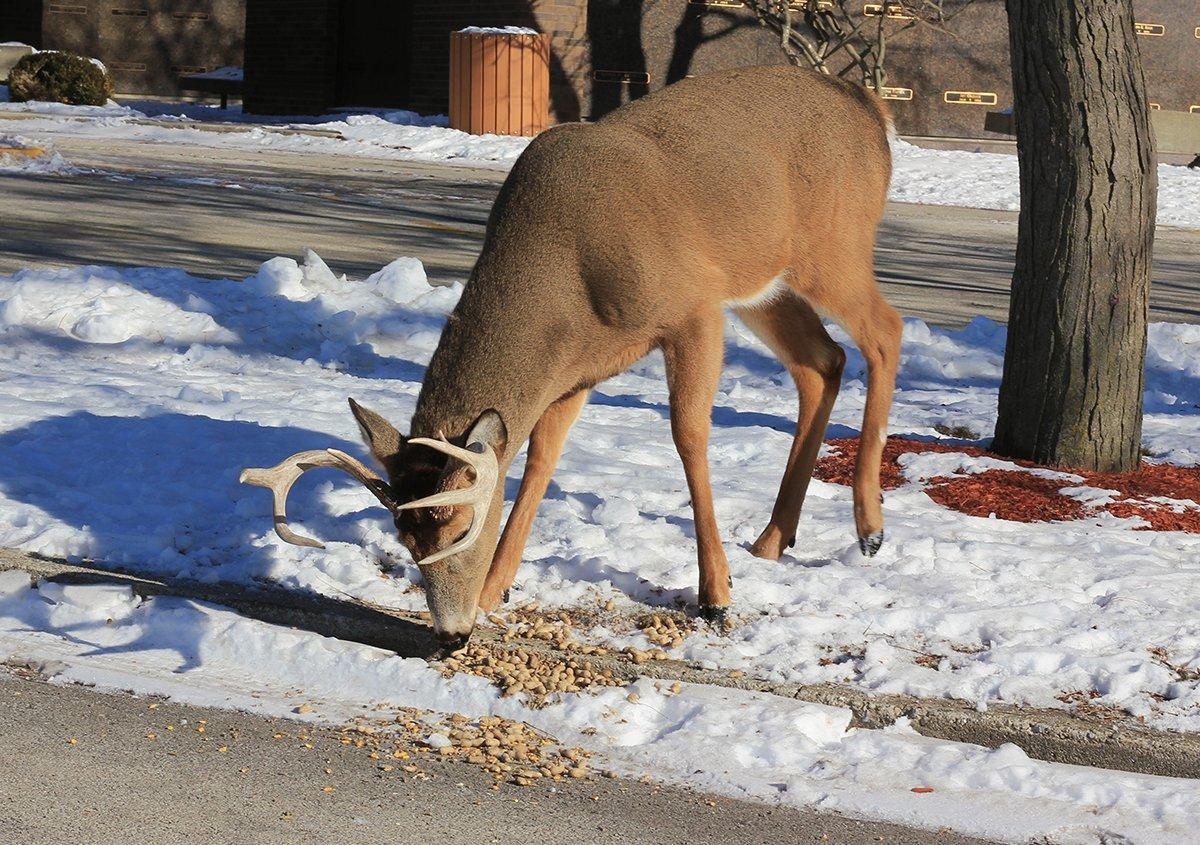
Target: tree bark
1073,370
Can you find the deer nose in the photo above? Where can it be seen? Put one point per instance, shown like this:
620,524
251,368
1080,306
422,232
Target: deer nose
453,642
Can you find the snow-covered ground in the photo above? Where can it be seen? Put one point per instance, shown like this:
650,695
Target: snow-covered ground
131,399
389,134
932,177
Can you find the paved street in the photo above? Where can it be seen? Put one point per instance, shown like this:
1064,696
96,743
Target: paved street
117,784
222,212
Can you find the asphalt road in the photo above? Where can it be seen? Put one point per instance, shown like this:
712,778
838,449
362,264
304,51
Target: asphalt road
115,784
222,212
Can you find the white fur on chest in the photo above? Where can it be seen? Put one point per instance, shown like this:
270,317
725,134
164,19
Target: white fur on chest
770,292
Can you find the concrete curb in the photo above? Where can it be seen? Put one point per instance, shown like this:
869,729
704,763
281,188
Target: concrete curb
1052,735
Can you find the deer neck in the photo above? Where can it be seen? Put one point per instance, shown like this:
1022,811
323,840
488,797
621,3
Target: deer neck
496,361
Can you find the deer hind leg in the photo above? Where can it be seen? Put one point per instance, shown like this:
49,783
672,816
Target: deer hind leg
693,358
876,329
793,331
545,446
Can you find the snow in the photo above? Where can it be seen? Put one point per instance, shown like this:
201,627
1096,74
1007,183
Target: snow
232,74
742,744
990,180
931,177
130,399
499,30
49,163
382,133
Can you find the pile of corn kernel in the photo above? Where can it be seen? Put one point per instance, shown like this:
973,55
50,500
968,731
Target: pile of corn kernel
521,670
663,631
510,751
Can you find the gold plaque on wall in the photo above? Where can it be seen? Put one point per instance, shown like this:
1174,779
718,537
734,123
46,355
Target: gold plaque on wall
874,10
625,77
1194,109
970,98
725,4
888,93
1155,106
1150,29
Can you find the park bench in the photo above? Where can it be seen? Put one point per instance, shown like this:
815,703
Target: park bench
221,81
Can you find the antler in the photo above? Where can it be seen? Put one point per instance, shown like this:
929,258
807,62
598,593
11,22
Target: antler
280,478
480,457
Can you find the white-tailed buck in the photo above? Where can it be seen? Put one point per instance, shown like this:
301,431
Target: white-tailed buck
757,189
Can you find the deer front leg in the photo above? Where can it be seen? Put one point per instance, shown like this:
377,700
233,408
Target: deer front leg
693,359
545,446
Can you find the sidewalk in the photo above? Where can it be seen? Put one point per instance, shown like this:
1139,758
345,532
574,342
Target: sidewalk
945,265
88,772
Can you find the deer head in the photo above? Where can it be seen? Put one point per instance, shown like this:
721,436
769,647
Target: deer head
444,497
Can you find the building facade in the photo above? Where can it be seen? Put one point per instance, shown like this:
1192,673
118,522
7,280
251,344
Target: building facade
145,44
309,56
606,52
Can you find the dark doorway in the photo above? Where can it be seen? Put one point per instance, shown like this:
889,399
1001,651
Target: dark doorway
373,53
21,20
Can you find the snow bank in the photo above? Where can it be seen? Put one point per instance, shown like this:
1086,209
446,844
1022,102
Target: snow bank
743,744
49,163
131,399
381,133
990,180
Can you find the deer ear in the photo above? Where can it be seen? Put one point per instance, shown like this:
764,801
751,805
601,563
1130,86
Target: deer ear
382,438
490,430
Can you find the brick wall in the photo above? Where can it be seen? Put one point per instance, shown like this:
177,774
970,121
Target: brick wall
21,20
291,56
942,85
146,44
605,52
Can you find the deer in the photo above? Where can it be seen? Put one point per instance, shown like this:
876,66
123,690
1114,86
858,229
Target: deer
756,190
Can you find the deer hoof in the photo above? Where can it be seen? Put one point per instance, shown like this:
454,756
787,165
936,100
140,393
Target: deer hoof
504,598
713,615
870,544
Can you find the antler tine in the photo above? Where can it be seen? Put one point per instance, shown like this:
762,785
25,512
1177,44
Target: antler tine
467,456
478,496
280,478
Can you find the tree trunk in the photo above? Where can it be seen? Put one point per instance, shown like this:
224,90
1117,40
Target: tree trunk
1073,371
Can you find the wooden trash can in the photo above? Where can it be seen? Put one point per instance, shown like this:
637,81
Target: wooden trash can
499,81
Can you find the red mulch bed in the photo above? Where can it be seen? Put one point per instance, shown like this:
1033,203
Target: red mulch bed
1023,497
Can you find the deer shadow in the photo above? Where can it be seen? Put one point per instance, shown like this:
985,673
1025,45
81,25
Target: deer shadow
158,496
